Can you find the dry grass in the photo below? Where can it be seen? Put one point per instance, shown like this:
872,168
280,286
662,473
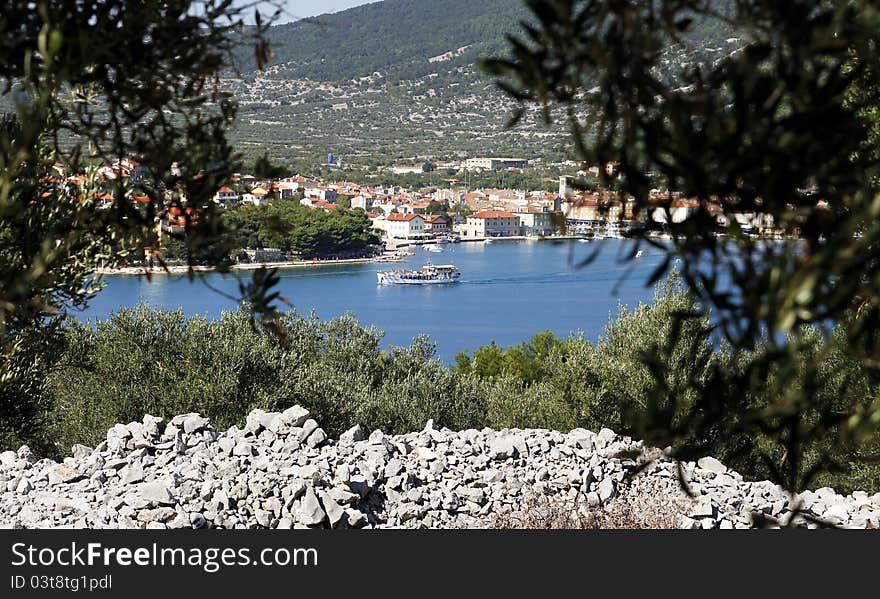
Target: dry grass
625,513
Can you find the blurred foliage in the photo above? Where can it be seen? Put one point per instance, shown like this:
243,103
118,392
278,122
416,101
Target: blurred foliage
783,128
95,84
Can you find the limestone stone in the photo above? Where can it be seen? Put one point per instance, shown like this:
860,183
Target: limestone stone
502,447
63,474
352,435
282,471
194,423
156,492
711,464
310,511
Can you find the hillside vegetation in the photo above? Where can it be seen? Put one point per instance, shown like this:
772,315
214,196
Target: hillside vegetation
395,80
396,37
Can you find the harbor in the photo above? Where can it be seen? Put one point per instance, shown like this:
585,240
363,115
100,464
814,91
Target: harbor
506,292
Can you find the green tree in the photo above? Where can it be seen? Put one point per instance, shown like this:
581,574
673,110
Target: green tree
435,207
526,361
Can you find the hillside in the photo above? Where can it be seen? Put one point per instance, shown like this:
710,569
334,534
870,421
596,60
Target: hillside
383,81
402,39
395,80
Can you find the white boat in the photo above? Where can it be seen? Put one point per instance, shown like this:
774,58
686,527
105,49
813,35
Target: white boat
428,275
433,247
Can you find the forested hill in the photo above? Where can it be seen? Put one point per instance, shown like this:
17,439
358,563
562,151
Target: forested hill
396,37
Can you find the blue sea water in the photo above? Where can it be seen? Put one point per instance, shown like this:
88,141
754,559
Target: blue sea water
509,290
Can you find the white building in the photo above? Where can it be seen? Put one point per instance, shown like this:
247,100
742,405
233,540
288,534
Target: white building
225,196
491,223
536,222
748,221
256,197
363,202
407,169
495,164
402,226
322,193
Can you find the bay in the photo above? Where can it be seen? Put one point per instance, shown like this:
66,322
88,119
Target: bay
508,291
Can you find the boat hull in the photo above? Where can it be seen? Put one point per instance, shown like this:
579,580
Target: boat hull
392,279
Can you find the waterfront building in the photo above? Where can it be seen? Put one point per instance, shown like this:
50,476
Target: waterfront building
402,226
536,222
437,224
679,211
491,223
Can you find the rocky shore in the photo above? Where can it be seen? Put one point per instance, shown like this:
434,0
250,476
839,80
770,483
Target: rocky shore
282,471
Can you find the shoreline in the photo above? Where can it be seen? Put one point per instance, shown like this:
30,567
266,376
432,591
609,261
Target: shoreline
391,256
183,270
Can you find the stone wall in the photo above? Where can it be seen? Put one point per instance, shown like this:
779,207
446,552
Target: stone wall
282,471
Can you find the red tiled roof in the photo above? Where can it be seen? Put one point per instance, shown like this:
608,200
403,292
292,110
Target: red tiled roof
493,214
403,217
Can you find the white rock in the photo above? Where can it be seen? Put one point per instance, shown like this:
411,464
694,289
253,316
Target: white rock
295,415
502,447
317,437
836,514
333,510
194,423
63,474
133,473
8,458
156,492
352,435
80,451
607,489
356,518
711,464
703,508
24,487
310,511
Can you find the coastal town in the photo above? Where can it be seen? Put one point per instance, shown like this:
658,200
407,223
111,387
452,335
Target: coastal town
403,215
400,216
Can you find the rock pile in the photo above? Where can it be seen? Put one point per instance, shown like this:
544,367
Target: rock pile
282,471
